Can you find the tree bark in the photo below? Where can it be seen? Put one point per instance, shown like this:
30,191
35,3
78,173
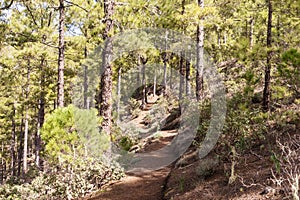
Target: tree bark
119,93
41,114
181,81
200,58
251,32
20,150
171,76
2,177
154,83
266,92
165,62
144,98
26,128
85,82
187,76
181,65
13,141
61,54
106,76
138,77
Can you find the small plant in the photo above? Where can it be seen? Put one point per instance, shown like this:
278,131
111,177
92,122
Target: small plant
133,108
157,135
126,143
181,184
125,138
275,160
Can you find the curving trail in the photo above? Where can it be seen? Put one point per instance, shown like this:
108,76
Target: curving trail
141,186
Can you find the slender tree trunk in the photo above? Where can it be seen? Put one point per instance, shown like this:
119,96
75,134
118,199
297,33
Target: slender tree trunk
138,77
85,82
181,81
200,57
61,54
251,32
219,39
106,76
41,114
2,177
165,62
187,76
119,93
246,31
26,128
181,65
266,92
154,83
2,166
144,98
13,141
278,26
20,150
171,78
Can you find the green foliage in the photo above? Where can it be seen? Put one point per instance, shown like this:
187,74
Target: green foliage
133,107
86,176
290,70
274,158
125,139
70,132
244,124
126,143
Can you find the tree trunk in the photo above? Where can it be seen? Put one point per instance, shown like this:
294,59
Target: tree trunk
200,58
20,151
219,39
154,83
41,114
181,81
144,98
119,93
138,77
181,65
106,76
61,54
85,78
13,141
266,93
26,128
187,76
165,62
246,27
171,76
251,32
2,177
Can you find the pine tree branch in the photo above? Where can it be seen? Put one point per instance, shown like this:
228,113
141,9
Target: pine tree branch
7,6
74,4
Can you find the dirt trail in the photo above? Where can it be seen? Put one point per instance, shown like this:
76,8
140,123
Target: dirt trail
146,186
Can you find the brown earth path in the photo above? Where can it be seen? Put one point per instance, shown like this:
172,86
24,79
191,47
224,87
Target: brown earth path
140,186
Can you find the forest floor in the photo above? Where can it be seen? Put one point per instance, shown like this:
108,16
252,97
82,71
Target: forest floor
188,182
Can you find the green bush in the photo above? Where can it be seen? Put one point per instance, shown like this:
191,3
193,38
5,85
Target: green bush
70,132
85,176
75,164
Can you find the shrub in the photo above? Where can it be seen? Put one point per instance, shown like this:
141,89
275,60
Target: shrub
76,165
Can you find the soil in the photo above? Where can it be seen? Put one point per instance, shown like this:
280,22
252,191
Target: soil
188,182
